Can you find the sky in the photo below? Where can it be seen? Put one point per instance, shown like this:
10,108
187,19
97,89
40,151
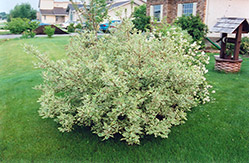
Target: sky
7,5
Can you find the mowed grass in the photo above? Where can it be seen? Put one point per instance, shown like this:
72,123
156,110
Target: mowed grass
214,132
5,32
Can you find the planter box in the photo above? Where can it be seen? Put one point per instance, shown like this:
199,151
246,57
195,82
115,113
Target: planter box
227,65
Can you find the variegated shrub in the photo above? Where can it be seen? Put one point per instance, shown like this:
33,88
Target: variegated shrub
128,82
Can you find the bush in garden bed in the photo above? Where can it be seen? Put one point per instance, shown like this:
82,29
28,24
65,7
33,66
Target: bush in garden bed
128,83
194,26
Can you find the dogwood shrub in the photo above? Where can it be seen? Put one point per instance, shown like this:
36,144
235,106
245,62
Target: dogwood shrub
125,83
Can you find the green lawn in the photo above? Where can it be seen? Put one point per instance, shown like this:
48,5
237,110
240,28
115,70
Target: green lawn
5,32
215,132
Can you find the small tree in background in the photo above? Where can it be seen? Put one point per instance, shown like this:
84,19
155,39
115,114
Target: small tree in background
141,21
94,13
49,31
194,26
23,10
3,15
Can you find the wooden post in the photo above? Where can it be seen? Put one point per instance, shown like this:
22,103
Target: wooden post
237,42
223,46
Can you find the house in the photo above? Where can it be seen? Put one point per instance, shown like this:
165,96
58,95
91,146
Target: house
53,12
72,14
124,7
209,10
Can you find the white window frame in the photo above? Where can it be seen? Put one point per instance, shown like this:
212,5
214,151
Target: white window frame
152,12
180,9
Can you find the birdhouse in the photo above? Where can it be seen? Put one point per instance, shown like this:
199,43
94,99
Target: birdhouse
227,62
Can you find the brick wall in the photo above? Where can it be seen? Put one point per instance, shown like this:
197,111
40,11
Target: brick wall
170,7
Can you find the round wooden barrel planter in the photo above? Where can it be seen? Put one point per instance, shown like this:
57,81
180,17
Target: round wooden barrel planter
227,65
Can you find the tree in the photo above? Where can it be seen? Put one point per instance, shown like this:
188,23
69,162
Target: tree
93,13
19,25
141,21
23,10
3,15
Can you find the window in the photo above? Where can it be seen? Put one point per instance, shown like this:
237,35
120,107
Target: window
156,11
57,18
45,17
71,16
186,9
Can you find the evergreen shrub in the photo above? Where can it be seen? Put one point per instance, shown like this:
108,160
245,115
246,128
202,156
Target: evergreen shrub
125,83
49,31
71,28
194,26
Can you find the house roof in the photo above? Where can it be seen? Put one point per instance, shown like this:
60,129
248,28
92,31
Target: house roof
71,6
118,4
55,11
229,25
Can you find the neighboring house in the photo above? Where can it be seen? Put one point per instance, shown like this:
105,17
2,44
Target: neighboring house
53,12
209,10
72,14
124,7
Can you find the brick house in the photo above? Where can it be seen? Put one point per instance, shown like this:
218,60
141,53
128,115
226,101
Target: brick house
209,10
175,8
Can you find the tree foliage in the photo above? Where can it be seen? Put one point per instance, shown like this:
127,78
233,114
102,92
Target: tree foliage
23,10
3,15
141,21
93,13
194,26
128,83
19,25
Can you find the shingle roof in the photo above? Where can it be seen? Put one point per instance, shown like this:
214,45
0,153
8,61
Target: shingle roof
55,11
71,6
118,4
229,25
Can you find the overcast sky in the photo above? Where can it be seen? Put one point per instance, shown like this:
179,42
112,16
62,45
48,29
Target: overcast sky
7,5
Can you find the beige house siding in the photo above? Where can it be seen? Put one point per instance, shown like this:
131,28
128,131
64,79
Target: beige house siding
46,4
50,19
224,8
124,11
61,4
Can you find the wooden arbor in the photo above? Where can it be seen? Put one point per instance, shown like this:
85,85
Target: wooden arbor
226,26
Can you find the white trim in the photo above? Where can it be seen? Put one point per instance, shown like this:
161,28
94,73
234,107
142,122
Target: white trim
179,10
151,11
194,8
161,13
